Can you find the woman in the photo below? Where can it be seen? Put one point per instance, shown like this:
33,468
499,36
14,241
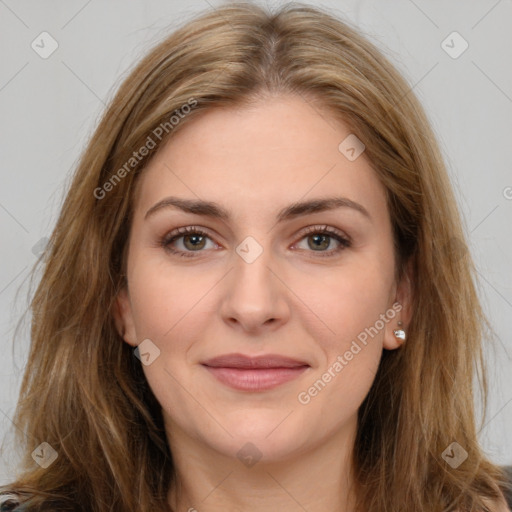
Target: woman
257,294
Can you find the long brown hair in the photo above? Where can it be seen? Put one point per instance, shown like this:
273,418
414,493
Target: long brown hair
83,391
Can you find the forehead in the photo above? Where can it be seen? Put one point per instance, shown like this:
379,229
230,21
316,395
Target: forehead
275,152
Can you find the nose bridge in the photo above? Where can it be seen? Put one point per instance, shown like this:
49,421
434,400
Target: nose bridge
252,261
254,294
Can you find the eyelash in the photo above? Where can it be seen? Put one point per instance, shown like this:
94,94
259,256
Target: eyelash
168,239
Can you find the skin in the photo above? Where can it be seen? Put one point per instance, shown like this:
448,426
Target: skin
291,300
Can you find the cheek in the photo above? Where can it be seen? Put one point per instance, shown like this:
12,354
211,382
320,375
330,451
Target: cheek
166,297
345,300
169,309
349,333
349,330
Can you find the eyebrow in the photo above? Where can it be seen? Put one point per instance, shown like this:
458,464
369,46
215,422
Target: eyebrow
214,210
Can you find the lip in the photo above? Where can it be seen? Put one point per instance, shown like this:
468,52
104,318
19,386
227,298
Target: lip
241,361
259,373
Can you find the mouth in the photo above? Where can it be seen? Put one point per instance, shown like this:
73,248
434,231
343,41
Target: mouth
260,373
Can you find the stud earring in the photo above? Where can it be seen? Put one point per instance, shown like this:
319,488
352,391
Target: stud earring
399,333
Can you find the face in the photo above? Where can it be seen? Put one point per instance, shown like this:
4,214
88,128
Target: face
315,285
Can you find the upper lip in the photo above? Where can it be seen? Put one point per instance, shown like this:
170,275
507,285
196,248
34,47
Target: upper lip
264,361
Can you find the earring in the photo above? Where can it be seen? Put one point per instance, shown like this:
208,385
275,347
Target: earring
400,333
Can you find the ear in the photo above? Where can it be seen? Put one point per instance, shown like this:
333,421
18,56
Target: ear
123,317
402,305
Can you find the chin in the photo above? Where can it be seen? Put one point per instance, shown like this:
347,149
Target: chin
262,424
266,441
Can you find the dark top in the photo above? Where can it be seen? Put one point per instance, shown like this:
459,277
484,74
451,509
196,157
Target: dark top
507,494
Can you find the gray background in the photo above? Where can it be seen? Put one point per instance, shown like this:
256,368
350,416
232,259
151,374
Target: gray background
51,106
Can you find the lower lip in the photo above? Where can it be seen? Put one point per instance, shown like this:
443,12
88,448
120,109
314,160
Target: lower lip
255,379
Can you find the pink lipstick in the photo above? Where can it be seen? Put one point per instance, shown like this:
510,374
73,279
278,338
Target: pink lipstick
260,373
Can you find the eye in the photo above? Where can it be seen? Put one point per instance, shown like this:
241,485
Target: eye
194,240
320,237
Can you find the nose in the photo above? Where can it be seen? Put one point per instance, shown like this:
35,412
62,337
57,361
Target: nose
255,296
